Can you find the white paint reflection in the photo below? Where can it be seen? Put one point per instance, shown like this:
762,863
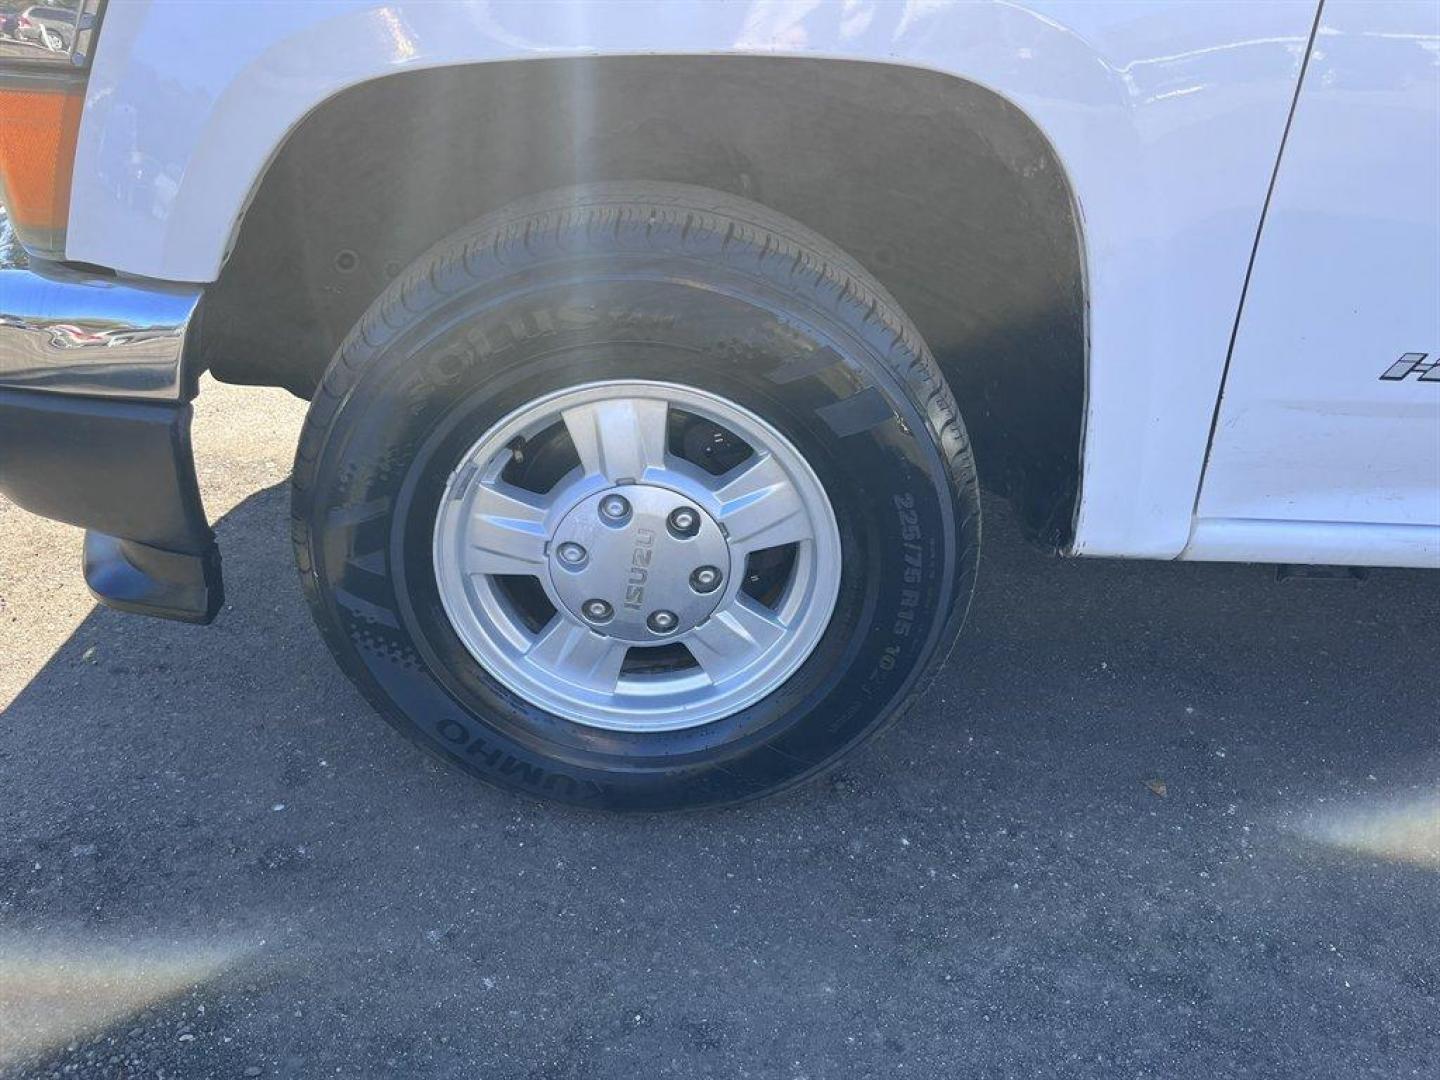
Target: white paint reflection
776,24
917,12
52,994
855,18
398,33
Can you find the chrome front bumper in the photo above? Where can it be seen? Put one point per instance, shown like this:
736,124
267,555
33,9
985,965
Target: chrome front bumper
70,332
96,378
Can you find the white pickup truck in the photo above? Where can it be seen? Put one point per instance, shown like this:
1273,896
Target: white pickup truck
657,353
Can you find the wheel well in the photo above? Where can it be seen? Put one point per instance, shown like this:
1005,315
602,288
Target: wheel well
940,188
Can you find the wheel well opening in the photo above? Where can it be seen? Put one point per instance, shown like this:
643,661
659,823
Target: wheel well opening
940,188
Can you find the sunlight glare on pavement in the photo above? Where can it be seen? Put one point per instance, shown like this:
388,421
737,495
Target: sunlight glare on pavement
1398,830
52,994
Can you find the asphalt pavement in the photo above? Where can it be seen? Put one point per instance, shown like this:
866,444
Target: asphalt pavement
1155,820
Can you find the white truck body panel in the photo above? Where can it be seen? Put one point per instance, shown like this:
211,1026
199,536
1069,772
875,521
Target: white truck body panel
1168,119
1346,280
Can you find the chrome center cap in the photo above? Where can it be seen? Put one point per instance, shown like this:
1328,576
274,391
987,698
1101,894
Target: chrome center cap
639,563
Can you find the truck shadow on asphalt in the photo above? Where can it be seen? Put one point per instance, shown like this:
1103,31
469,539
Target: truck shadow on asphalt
1154,818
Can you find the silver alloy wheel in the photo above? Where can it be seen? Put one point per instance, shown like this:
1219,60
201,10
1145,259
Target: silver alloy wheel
636,547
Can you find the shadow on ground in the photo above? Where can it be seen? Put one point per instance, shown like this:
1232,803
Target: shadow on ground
215,859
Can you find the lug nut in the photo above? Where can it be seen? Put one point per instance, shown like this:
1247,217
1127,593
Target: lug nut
684,522
571,553
597,610
614,508
662,622
705,579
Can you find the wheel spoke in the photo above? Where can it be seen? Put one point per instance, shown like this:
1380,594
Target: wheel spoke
578,655
760,507
621,438
733,638
621,566
507,530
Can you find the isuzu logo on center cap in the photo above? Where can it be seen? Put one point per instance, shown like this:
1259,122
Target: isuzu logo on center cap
639,568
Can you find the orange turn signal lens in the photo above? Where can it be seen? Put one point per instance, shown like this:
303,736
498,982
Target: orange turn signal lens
38,129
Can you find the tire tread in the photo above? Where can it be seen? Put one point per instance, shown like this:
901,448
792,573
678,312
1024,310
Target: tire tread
709,223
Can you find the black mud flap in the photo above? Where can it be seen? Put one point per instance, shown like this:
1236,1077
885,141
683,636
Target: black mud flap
124,471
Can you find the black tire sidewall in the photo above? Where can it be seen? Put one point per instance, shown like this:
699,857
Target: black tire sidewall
428,393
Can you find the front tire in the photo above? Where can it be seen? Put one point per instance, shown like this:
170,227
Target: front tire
488,486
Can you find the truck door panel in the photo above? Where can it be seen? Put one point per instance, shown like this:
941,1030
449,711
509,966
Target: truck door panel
1317,421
